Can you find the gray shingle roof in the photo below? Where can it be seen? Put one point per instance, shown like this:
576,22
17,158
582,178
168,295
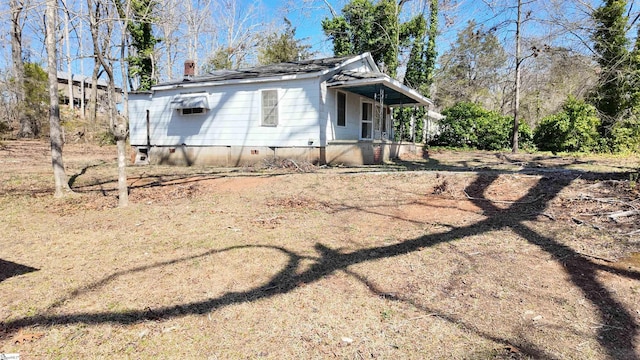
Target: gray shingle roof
265,71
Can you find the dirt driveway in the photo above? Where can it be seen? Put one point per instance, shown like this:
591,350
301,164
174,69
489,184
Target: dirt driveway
464,255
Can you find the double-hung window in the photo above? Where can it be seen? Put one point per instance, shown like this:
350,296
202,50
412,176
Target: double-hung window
269,108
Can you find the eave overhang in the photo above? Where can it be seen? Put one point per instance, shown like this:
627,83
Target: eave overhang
370,85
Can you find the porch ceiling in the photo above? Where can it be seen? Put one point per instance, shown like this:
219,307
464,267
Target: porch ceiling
370,84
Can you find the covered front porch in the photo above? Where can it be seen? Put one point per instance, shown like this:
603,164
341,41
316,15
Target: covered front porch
380,96
383,94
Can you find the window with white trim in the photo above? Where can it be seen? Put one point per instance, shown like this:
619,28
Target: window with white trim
269,108
342,109
366,121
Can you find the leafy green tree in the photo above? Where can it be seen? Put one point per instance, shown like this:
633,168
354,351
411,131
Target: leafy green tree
283,47
417,71
420,72
139,26
575,128
431,55
36,96
624,134
415,77
375,28
633,77
472,68
611,45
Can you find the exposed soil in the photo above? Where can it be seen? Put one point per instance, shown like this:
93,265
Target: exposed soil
469,255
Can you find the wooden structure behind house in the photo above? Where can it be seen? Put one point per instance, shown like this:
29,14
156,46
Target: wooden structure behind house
333,110
78,81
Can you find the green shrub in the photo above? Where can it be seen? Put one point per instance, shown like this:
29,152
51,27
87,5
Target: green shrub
106,137
525,137
469,125
574,128
625,136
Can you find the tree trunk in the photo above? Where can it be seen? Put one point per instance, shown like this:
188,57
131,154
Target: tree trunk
61,184
123,189
82,79
26,126
68,56
516,102
93,95
117,124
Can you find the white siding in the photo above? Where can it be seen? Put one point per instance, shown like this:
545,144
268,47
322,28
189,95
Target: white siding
138,105
234,117
359,66
329,109
352,129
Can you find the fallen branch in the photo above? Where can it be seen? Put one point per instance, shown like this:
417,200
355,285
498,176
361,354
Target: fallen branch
595,257
551,217
582,222
602,200
619,214
608,200
501,201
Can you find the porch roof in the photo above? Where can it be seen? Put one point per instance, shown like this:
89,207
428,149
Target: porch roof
369,84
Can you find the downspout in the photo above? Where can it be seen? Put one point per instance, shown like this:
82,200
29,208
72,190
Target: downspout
148,132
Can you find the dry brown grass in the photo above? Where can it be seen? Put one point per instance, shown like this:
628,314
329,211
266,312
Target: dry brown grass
337,263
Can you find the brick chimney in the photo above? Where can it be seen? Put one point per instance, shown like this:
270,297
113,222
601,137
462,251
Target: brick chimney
189,69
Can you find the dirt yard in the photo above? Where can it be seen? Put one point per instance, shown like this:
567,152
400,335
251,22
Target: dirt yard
464,255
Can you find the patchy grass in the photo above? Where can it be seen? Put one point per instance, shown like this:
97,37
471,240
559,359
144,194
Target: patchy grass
337,263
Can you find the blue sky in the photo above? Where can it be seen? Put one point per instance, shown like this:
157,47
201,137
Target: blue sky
306,17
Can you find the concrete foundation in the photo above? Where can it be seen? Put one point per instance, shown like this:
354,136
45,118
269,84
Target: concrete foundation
336,153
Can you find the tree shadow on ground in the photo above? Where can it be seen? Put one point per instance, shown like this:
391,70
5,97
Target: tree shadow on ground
10,269
507,163
616,336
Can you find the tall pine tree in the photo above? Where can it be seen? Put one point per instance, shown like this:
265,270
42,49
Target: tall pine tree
611,45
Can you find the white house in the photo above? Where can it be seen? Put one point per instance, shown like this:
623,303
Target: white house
333,110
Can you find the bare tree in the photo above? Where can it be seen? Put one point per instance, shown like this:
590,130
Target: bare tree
197,19
120,126
103,40
17,22
117,124
238,32
61,184
169,12
67,41
516,97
